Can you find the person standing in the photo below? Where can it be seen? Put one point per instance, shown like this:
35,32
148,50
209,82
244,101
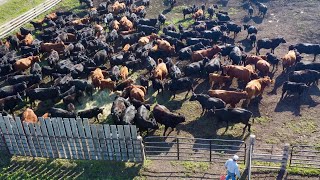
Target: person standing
232,168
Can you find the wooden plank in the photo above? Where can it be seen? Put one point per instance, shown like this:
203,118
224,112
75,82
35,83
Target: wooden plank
103,143
17,136
136,144
6,135
122,140
35,139
71,142
30,139
42,145
77,140
82,134
52,137
115,142
108,137
64,140
96,142
127,135
57,136
46,138
23,137
89,139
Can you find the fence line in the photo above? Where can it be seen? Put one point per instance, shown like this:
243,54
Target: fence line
71,139
19,21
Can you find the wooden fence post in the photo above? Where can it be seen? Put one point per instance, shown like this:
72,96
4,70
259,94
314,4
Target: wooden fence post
249,155
143,154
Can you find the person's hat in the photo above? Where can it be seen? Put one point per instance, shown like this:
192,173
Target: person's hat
235,157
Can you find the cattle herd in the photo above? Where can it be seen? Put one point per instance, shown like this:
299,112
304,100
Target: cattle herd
73,56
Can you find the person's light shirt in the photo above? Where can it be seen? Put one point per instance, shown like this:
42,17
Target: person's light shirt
232,167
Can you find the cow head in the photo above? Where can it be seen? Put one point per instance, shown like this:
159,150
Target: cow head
180,118
266,81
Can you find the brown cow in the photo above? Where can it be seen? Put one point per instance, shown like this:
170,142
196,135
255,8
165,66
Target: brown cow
161,71
48,47
164,46
115,25
251,68
124,72
138,9
80,21
52,16
239,72
117,7
200,54
256,87
289,59
96,76
46,115
107,84
126,24
229,97
29,116
28,39
252,59
25,63
197,14
219,79
263,66
137,93
146,39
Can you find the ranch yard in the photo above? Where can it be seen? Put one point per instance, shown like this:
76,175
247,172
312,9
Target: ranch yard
294,119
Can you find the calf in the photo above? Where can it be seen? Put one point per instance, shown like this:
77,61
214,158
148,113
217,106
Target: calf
305,76
207,102
293,87
58,112
218,79
90,113
184,83
272,59
235,115
267,43
229,97
29,116
163,116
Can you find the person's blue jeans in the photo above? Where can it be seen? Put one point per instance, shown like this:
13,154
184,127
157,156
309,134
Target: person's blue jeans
231,175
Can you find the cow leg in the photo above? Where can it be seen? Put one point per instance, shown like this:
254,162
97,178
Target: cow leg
283,92
11,111
257,51
97,119
202,111
315,56
165,129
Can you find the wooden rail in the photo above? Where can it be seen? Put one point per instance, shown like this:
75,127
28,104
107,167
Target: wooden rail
19,21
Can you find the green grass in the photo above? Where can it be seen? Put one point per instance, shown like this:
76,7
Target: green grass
43,168
13,8
191,166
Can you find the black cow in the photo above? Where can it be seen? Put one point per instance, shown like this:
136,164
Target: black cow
10,102
193,41
144,81
31,79
235,115
171,33
58,112
162,18
53,58
211,11
234,28
184,83
113,36
272,59
222,17
262,9
213,65
132,38
43,94
307,48
129,115
147,30
213,35
253,39
11,90
167,118
90,113
305,76
157,84
5,69
185,53
119,105
267,43
236,55
293,87
304,65
35,69
207,102
82,85
68,92
188,10
142,120
196,68
250,29
250,11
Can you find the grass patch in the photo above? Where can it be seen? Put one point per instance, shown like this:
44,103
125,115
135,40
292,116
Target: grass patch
178,9
303,126
233,11
44,168
13,8
191,166
262,120
303,171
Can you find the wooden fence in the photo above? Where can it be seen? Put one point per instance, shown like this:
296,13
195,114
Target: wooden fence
71,139
19,21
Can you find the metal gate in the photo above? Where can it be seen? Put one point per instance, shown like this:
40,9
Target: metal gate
193,149
304,156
